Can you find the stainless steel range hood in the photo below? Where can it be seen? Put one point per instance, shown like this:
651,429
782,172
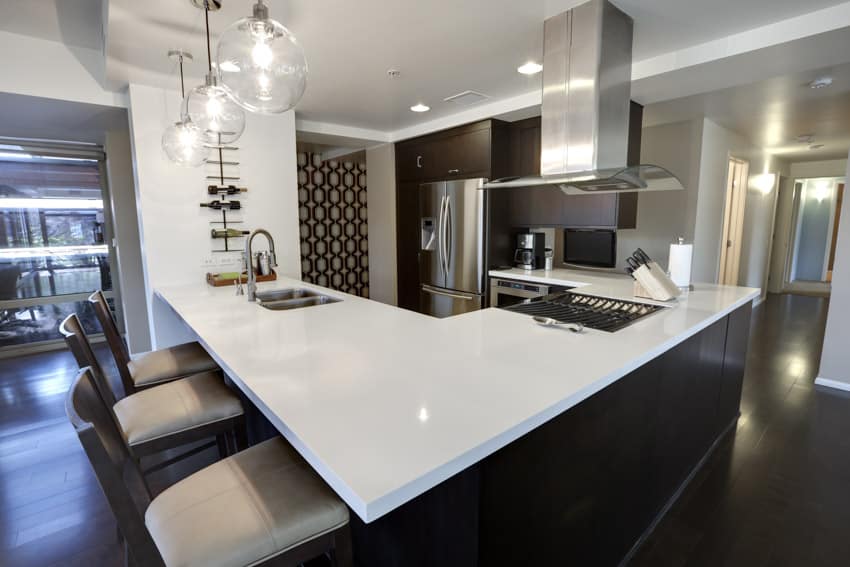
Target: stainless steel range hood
587,73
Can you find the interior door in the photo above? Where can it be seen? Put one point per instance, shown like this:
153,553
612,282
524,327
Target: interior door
464,235
733,221
432,200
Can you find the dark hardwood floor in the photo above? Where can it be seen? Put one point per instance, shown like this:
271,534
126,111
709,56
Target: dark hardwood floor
773,494
776,492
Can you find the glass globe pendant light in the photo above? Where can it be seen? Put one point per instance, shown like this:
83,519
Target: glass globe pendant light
183,142
210,106
261,63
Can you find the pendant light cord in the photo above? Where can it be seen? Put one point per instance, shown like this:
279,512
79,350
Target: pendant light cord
182,88
207,21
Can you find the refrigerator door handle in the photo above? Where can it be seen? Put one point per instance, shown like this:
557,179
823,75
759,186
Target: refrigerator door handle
439,232
452,294
447,242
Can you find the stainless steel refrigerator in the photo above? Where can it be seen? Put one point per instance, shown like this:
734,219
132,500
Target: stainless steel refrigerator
453,217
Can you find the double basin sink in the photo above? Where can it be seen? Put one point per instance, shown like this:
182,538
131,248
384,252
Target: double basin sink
292,298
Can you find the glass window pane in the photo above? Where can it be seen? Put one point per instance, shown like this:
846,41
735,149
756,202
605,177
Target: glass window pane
39,323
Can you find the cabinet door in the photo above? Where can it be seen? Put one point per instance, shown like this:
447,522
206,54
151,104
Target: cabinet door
465,155
590,210
407,244
415,161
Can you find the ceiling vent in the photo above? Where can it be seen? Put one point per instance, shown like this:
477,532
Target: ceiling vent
467,98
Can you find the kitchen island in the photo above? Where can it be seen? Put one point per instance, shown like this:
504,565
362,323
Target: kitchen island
485,439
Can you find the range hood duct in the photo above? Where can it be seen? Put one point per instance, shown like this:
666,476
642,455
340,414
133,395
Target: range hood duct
587,74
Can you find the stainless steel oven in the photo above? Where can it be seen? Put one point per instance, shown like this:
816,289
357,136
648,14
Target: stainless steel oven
504,292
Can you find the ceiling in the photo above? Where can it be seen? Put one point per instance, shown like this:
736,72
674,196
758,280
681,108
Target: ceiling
441,47
49,119
772,113
73,22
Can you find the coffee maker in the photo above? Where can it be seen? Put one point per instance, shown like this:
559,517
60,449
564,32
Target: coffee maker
530,251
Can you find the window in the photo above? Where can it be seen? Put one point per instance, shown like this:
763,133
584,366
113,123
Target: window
53,245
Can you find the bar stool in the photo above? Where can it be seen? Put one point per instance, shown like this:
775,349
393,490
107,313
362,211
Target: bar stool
149,368
168,415
262,506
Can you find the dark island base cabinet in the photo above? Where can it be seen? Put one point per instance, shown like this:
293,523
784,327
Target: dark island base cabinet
586,487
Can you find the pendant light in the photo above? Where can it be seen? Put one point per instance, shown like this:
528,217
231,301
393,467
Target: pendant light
183,142
261,63
209,106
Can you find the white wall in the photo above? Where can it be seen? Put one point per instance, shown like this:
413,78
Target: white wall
718,144
380,195
122,193
175,230
49,69
664,215
759,222
835,360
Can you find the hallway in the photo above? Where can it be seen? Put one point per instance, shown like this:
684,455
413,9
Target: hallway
774,494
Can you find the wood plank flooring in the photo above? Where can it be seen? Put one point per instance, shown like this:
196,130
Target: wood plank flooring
774,494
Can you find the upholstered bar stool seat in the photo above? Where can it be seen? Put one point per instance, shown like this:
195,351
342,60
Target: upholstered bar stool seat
263,506
247,508
196,401
150,368
157,366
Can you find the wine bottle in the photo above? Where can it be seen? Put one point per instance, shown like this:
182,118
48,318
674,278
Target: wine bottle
218,205
225,189
228,232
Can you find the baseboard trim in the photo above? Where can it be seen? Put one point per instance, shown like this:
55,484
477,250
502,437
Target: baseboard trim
826,382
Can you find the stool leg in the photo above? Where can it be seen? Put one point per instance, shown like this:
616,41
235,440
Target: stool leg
342,554
240,436
221,441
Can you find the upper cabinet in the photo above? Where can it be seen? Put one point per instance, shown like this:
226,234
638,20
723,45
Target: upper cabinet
475,150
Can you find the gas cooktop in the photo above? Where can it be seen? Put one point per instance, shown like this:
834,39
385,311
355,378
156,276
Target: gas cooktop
599,313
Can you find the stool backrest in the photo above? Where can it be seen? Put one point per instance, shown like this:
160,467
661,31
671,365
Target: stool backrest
116,471
113,337
79,345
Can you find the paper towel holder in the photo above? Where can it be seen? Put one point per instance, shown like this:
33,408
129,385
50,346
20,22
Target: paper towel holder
681,240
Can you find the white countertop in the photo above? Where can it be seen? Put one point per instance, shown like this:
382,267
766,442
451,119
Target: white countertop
385,403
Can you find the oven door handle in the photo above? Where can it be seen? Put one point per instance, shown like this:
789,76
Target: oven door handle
452,294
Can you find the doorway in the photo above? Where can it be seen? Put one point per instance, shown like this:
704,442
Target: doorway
733,221
816,215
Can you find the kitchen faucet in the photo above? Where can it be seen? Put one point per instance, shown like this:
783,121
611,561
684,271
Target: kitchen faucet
252,276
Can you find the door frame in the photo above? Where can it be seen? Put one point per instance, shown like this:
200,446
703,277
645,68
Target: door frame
732,230
801,287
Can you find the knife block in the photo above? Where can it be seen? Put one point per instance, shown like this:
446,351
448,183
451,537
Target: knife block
652,283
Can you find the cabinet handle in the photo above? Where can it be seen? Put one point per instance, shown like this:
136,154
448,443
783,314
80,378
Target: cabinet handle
419,161
453,171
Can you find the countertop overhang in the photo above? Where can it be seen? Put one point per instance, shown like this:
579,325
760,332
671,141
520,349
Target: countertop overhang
386,403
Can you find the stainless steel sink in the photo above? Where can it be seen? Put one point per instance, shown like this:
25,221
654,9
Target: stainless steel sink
282,294
296,298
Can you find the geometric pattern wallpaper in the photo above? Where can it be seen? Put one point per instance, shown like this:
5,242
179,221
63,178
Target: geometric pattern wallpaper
333,223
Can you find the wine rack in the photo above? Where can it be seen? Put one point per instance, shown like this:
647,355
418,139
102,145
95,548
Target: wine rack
223,192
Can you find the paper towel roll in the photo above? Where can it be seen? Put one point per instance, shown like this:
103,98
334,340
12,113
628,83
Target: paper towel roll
681,256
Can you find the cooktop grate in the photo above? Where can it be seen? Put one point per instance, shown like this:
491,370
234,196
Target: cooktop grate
595,312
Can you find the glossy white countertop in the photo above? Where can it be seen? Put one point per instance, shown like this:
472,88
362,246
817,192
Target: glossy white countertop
385,403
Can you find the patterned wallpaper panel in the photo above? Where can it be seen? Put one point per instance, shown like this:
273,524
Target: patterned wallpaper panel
334,231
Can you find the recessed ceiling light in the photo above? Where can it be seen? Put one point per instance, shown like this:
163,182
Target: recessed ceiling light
820,83
420,108
804,138
815,146
530,68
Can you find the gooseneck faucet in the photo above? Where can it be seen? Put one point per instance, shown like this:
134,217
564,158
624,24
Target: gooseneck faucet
252,276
